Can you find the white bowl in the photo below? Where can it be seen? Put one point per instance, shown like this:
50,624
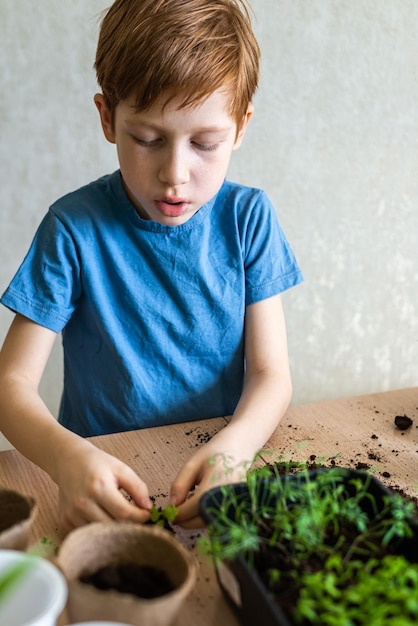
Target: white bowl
38,598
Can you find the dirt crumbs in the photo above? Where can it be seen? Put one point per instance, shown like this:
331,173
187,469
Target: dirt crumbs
200,437
403,422
139,580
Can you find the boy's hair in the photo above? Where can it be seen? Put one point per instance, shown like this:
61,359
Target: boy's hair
185,48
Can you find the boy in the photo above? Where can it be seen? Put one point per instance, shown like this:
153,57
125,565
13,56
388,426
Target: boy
163,277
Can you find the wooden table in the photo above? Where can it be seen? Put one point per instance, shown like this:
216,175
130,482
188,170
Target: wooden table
355,431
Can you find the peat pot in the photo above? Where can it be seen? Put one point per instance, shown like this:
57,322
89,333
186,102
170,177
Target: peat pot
110,546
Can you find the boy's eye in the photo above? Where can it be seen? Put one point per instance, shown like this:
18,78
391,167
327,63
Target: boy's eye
147,143
205,147
153,143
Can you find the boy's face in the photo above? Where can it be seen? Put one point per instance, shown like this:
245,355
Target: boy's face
173,160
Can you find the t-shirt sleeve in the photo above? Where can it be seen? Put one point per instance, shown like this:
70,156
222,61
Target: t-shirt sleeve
270,264
47,285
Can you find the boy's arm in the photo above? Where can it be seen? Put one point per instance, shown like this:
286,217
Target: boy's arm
89,479
264,400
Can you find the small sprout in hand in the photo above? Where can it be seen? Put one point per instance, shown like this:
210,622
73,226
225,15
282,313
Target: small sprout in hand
163,516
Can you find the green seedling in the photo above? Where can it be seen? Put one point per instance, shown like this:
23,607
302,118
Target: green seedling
163,516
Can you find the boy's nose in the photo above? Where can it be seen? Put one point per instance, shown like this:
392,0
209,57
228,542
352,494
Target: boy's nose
174,169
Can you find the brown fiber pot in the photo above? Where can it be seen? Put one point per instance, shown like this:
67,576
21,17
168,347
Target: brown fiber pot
17,513
89,548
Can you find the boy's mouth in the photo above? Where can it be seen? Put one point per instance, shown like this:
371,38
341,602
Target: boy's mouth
172,206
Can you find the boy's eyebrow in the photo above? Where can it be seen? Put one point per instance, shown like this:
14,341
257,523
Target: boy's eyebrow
160,129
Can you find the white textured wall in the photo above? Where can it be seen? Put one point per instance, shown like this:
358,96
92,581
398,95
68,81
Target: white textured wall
334,141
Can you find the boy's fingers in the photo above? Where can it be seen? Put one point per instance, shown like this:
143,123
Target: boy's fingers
188,515
135,487
178,494
138,515
188,510
182,485
75,517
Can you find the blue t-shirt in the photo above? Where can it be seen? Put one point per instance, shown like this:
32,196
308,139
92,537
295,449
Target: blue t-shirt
152,316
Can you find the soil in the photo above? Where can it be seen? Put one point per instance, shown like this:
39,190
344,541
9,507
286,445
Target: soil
14,509
403,422
140,580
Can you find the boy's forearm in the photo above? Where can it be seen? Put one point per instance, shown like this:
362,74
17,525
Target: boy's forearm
265,399
29,426
227,456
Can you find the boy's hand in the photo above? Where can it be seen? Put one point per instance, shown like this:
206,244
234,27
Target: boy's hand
90,481
209,467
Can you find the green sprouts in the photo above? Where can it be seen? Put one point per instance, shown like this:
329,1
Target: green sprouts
305,515
163,516
377,592
330,534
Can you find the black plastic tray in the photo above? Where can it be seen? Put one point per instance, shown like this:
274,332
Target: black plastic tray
241,585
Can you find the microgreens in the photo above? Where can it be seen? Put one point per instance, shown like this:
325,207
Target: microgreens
334,520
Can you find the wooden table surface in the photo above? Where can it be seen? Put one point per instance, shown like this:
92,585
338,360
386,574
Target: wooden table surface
352,431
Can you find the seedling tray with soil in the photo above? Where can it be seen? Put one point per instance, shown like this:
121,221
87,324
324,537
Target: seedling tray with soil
328,547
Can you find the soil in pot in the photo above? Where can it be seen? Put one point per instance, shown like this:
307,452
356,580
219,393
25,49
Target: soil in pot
118,556
17,512
139,580
14,508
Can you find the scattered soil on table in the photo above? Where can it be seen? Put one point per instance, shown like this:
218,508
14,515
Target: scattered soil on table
200,437
403,422
139,580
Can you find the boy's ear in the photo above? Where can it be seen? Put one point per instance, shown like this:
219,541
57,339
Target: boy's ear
105,117
243,126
